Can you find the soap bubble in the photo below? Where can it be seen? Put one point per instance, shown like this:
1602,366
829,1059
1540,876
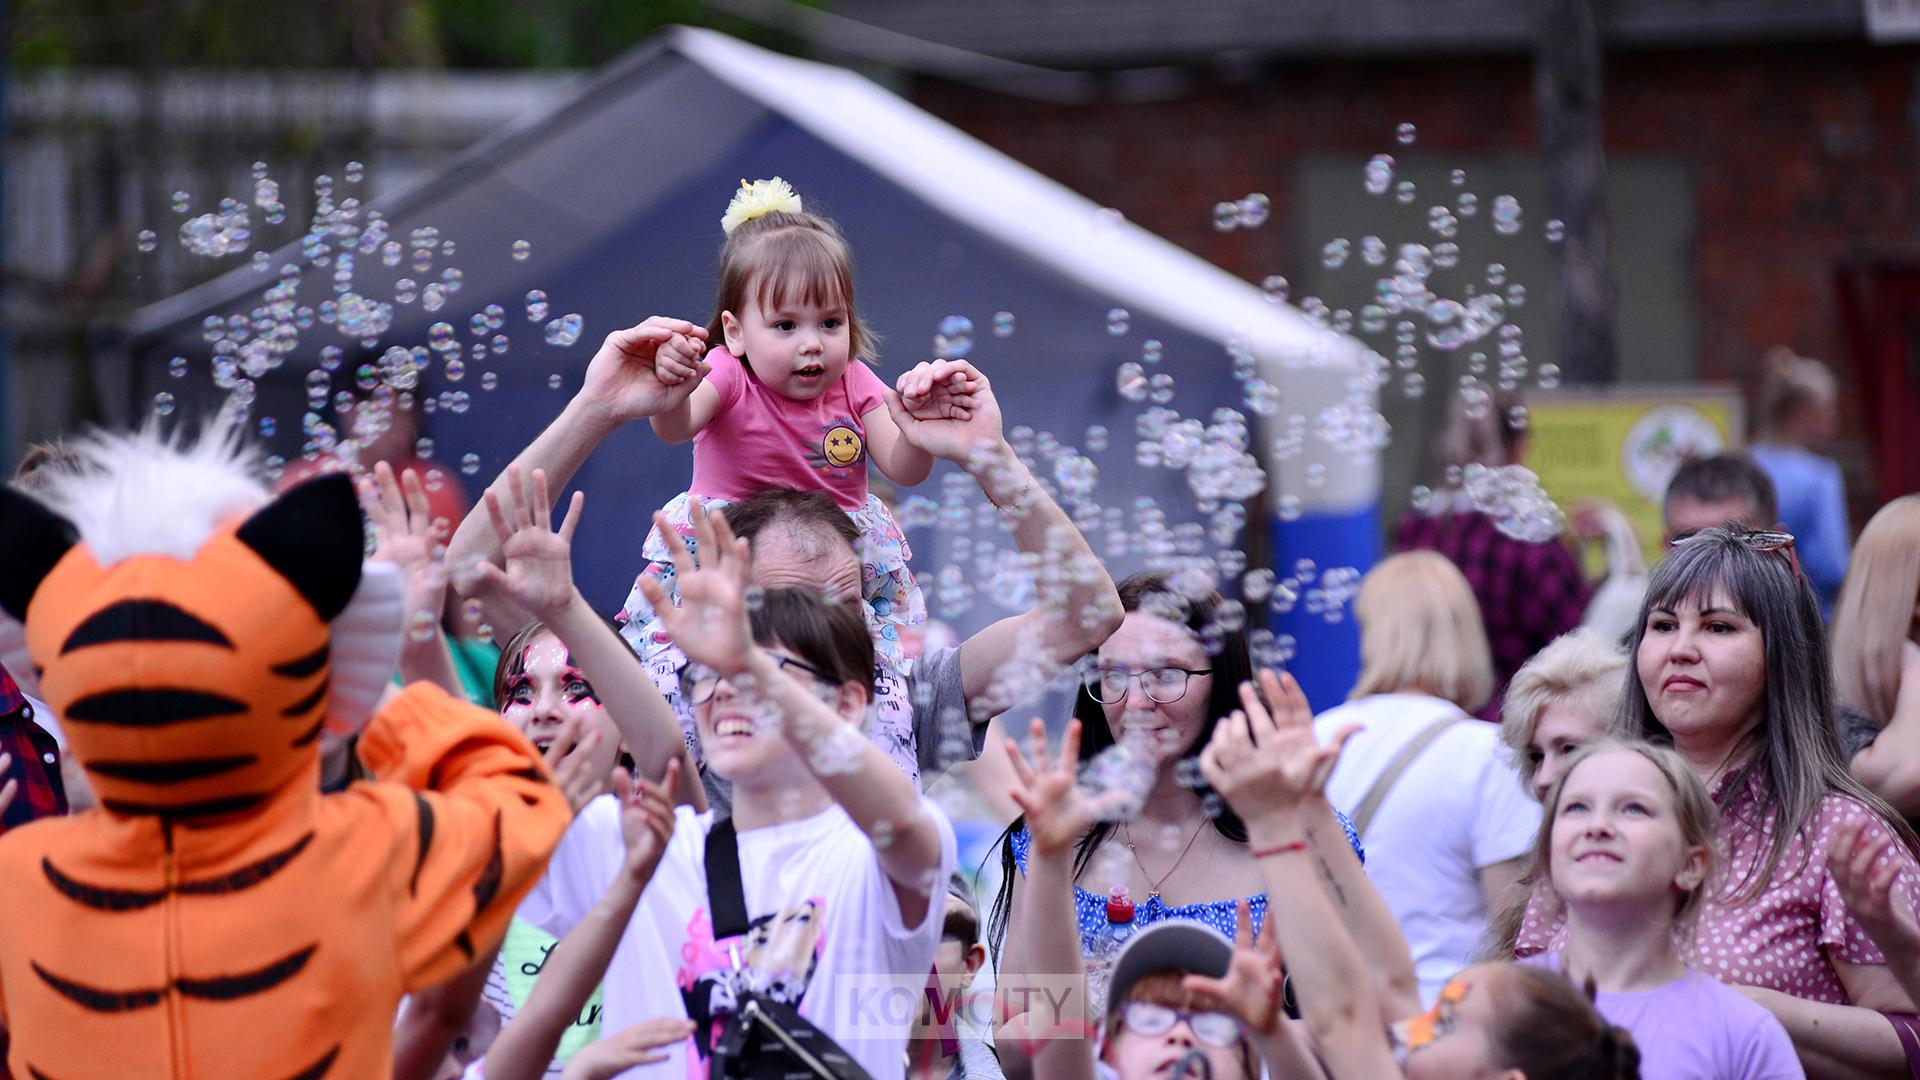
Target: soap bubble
224,232
1226,217
356,172
565,330
163,404
1118,321
1512,496
1152,350
489,380
1161,388
1556,230
421,626
1334,254
1131,380
1254,210
536,306
1506,215
1373,250
177,367
553,381
954,339
147,241
1404,192
1275,287
181,202
1548,376
1379,174
469,464
1405,133
521,250
1003,324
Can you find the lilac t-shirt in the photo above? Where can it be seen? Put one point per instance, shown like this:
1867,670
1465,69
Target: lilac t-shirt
1697,1028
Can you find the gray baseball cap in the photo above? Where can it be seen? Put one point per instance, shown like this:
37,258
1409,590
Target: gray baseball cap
1181,945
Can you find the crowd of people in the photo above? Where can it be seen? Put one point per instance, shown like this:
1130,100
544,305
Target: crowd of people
696,840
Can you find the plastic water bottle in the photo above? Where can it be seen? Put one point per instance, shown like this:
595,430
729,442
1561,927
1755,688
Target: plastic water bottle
1106,945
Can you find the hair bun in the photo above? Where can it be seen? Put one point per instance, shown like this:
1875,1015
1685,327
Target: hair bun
758,198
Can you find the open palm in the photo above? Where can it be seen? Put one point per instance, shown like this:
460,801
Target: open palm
710,625
946,409
538,559
1048,791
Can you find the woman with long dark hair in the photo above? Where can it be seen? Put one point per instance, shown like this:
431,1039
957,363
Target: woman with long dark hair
1730,668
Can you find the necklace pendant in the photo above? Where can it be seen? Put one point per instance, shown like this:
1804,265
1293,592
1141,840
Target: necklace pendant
1153,895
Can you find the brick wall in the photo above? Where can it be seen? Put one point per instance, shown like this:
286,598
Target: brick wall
1798,154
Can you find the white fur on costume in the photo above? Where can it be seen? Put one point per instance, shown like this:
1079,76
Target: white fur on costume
146,493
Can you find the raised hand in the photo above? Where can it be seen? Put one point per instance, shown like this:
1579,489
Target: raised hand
679,360
624,380
626,1048
539,558
573,759
710,625
1059,811
646,818
1268,762
1254,983
406,535
947,409
1857,857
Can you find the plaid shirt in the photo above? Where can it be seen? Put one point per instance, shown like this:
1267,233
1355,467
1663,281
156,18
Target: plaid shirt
36,760
1529,593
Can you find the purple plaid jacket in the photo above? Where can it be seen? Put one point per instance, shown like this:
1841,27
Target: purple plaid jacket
1529,593
36,760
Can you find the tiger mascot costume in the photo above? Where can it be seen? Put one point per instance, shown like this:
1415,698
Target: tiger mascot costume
217,916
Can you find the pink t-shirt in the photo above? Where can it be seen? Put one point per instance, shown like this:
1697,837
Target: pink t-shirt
759,439
1789,936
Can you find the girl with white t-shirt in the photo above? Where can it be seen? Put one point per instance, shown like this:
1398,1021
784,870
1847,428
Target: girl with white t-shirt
839,858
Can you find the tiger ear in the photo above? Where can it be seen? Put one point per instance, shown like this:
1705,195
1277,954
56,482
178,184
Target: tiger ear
312,537
32,540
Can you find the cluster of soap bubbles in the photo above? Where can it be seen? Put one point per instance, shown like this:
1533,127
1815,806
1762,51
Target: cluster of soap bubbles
1249,212
1512,496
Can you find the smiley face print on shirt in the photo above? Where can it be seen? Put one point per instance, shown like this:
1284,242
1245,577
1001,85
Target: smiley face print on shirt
840,450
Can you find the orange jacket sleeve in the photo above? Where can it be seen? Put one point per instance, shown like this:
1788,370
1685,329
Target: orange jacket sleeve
475,830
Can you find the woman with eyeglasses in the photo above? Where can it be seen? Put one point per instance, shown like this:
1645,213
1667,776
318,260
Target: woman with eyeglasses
1434,794
1730,667
1157,686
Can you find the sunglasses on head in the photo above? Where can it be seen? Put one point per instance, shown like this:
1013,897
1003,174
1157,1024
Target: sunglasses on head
1761,540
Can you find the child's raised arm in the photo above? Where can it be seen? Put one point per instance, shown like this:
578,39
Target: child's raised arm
711,627
677,362
577,963
923,394
404,535
538,576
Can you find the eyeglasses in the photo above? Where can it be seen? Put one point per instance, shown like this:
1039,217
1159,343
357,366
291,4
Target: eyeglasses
1108,685
1761,540
698,681
1153,1019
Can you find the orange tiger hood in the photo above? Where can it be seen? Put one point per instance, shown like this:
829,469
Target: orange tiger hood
188,685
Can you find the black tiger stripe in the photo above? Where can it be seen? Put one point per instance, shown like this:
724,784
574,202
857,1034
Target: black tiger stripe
247,876
247,983
152,707
465,943
211,806
170,772
98,897
142,620
319,1068
304,666
97,1000
310,734
488,885
306,704
424,810
37,1074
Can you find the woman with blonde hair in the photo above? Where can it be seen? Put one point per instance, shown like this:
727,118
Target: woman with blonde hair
1564,698
1876,663
1796,413
1428,786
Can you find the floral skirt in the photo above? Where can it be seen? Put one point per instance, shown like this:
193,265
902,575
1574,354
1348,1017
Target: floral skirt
893,604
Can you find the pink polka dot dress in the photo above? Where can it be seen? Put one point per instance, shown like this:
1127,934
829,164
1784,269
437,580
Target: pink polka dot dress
1787,937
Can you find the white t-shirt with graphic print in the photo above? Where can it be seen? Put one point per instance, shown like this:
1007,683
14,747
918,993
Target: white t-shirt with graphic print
826,931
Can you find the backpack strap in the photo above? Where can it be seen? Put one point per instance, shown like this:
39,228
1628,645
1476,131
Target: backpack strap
1377,794
726,897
